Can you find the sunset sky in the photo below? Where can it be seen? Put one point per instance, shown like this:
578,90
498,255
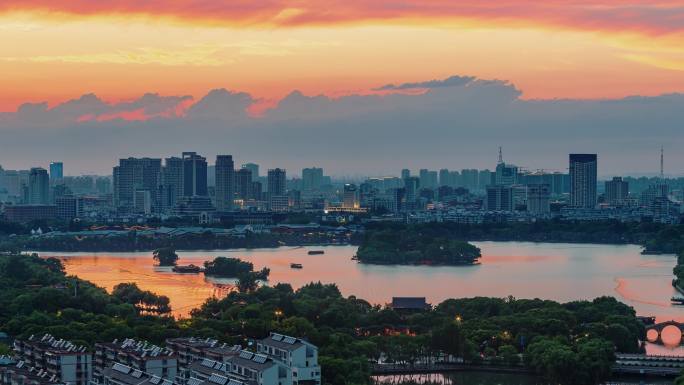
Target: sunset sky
53,50
71,69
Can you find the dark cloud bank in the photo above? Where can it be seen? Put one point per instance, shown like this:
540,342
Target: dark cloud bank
457,123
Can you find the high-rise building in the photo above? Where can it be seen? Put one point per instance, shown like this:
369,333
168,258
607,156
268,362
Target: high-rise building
243,184
56,172
428,179
445,178
136,174
583,169
172,182
405,173
194,175
617,191
225,182
312,178
351,198
254,168
469,178
538,198
39,186
506,174
411,187
276,181
277,197
499,198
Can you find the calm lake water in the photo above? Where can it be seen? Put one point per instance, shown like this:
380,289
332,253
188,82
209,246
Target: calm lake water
561,272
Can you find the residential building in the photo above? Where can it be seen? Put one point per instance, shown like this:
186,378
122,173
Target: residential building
72,364
23,374
39,187
299,357
136,174
583,169
120,374
312,178
225,182
538,198
172,182
148,358
254,168
499,198
617,191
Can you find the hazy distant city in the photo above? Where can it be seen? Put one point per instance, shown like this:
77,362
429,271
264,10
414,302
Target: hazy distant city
192,187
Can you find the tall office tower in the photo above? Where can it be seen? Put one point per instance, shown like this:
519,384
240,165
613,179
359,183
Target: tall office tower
405,173
225,182
38,187
499,198
194,175
254,168
243,184
312,178
617,191
172,182
445,177
411,187
538,198
351,199
136,174
583,180
56,172
506,174
455,178
276,181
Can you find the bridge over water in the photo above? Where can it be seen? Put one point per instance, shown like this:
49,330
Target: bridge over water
660,327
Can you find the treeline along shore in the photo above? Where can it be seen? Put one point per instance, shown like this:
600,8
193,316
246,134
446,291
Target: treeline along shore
654,237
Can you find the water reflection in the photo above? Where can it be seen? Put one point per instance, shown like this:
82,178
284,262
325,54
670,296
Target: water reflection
562,272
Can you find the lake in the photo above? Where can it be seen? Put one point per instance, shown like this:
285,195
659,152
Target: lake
561,272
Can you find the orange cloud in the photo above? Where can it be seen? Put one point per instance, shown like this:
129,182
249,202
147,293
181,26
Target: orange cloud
642,16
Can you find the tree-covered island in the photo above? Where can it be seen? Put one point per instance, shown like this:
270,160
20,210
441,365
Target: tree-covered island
414,245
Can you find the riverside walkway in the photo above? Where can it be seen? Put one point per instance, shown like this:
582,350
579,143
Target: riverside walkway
639,364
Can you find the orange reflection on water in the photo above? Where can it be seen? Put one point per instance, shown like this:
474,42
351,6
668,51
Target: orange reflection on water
561,272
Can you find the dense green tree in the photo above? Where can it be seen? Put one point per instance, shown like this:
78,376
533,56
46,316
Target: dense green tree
165,256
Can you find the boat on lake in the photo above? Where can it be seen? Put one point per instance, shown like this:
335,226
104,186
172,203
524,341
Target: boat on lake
187,269
316,252
296,266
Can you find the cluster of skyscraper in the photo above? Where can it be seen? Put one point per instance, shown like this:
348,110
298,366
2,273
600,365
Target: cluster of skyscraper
187,185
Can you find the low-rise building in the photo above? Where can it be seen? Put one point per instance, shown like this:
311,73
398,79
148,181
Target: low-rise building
299,357
120,374
70,364
22,374
149,358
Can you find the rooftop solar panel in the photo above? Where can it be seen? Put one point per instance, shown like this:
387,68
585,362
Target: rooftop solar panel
259,358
